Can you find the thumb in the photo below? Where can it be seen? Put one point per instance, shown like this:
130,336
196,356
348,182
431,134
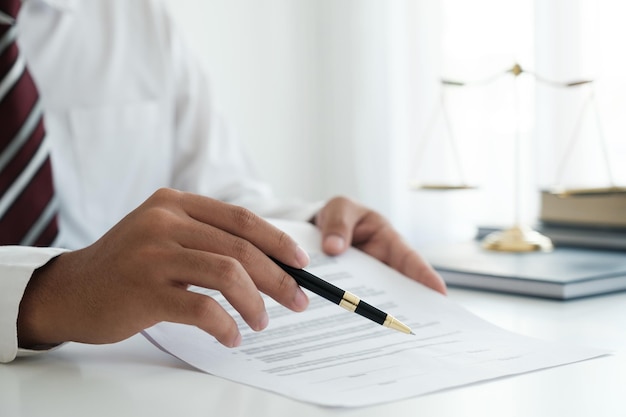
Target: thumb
337,221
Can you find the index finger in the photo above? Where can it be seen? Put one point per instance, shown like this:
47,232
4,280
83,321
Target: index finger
415,267
243,223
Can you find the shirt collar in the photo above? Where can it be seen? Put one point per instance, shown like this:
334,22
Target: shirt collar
61,5
6,20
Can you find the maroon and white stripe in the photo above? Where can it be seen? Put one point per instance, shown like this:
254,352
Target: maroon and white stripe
28,207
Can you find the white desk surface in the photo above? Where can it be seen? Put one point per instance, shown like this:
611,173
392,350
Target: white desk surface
133,378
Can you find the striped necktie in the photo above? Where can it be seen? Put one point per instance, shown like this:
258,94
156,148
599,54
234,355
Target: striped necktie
28,208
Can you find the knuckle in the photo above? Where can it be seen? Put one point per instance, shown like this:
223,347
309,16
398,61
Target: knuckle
243,218
284,240
285,283
379,219
226,266
160,215
166,197
202,309
229,273
161,220
165,194
242,251
207,314
341,201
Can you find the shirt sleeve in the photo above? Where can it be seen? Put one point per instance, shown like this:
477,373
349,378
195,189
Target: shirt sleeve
17,264
208,160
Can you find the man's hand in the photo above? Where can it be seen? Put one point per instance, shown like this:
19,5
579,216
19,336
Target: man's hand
344,223
138,273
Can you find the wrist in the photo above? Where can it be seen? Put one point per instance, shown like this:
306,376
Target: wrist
35,321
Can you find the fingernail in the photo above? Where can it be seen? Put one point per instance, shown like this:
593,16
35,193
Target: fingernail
302,257
301,301
334,243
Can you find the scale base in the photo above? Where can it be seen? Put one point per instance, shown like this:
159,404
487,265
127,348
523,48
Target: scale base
517,239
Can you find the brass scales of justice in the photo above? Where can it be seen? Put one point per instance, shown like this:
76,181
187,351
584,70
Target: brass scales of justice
519,237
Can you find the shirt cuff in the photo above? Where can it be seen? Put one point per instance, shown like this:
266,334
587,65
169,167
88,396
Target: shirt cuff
17,264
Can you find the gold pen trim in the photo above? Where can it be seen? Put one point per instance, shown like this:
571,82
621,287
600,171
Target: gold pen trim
395,324
347,305
349,301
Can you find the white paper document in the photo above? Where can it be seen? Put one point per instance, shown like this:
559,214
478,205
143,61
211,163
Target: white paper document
331,357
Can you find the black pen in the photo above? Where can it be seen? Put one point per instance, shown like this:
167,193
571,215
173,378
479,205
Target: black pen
345,299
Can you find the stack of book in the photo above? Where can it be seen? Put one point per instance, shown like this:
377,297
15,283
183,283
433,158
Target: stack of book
564,274
588,231
591,209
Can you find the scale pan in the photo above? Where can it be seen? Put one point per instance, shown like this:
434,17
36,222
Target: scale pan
582,192
441,187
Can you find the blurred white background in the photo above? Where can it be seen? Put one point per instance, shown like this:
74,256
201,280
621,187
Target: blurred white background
333,97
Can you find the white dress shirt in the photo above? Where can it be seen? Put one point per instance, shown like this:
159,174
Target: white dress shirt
127,110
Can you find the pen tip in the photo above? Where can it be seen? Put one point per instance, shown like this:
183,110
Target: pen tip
412,333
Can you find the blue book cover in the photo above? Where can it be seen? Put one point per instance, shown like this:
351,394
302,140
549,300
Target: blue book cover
564,273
